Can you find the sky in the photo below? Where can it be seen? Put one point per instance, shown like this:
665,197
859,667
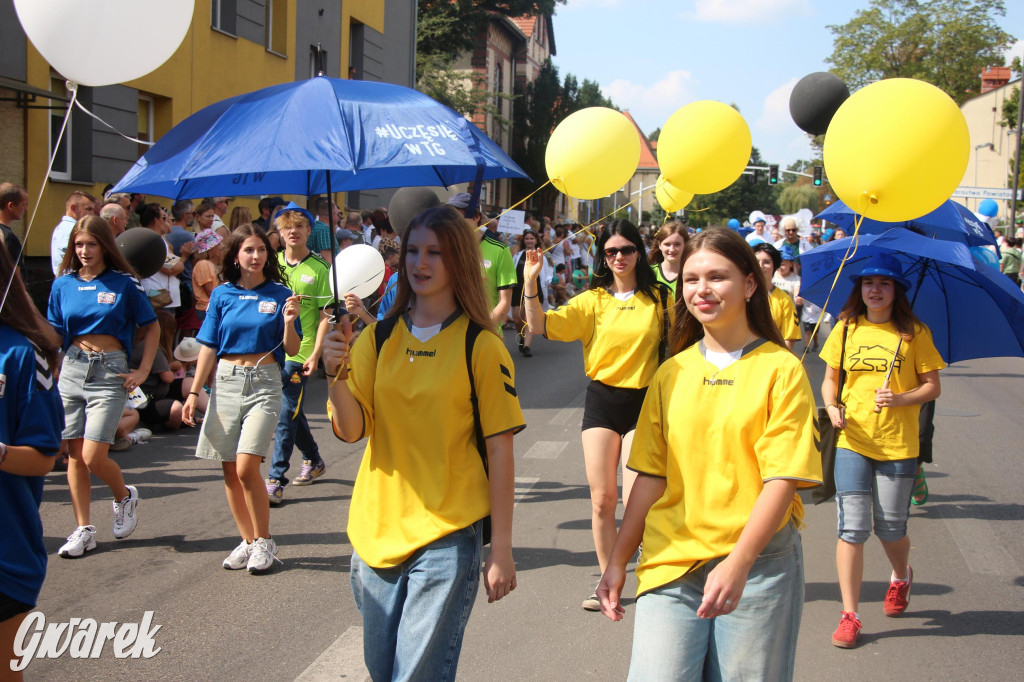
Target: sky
653,56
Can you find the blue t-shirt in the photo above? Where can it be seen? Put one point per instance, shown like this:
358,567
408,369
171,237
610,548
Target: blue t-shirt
113,303
240,320
390,291
31,413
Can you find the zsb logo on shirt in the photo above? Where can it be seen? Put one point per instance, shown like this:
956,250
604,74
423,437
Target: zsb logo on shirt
106,297
268,307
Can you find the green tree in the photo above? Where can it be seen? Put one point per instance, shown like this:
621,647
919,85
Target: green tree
944,42
655,134
799,195
737,200
1009,121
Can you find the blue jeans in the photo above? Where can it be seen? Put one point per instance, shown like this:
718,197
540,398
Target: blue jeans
757,641
868,487
415,614
292,429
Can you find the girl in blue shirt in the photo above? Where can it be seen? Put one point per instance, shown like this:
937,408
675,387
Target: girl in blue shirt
96,304
31,419
251,322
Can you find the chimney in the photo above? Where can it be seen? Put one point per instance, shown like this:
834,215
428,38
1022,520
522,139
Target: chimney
994,77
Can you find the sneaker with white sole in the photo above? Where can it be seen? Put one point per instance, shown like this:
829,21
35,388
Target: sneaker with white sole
125,518
262,556
239,557
140,435
79,542
122,444
309,472
275,491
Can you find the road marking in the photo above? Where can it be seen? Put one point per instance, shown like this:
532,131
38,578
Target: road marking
342,660
980,546
571,413
523,486
546,449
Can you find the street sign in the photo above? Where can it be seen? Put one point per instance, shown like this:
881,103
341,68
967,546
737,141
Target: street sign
987,193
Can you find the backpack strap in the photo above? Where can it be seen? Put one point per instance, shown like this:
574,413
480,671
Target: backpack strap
663,344
472,331
383,330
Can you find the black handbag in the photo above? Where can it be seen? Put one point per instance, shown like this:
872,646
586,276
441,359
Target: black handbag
828,435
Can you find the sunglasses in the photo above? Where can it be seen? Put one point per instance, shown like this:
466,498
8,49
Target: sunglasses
625,251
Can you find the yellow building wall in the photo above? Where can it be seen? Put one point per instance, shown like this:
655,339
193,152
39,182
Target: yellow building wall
207,67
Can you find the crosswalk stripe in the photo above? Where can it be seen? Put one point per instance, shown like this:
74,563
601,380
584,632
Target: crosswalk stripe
523,486
571,413
342,660
546,449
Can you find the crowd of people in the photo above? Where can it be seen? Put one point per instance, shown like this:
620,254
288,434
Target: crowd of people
225,336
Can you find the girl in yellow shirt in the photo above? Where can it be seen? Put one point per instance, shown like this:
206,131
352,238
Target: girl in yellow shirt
622,321
725,438
876,458
416,521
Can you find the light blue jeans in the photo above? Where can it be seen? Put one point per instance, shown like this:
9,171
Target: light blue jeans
867,488
415,614
757,641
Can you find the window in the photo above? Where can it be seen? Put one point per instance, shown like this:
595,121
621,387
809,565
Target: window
223,16
61,168
277,26
145,132
317,60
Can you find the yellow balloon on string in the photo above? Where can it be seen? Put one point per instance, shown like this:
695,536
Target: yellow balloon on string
704,147
592,153
671,198
896,149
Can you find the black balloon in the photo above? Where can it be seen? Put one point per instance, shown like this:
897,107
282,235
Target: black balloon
406,203
815,100
144,250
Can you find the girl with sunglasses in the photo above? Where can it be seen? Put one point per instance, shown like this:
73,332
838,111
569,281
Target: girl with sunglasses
623,322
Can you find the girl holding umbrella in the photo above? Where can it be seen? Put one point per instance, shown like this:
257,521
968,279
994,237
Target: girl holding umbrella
891,367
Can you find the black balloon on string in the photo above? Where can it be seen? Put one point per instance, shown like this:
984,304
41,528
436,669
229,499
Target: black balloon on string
144,250
815,100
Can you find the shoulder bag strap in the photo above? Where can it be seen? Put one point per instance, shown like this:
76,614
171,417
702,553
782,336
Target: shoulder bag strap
472,331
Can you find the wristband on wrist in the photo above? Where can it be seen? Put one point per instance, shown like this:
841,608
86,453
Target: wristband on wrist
3,453
193,393
534,296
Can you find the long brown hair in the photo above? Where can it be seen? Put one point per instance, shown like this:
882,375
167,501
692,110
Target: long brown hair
97,227
669,229
20,314
731,246
230,272
903,317
460,255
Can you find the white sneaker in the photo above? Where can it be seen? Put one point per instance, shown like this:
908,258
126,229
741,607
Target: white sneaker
125,518
79,542
239,557
262,556
140,435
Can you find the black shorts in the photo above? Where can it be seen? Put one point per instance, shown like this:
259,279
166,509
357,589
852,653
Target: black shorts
9,608
609,407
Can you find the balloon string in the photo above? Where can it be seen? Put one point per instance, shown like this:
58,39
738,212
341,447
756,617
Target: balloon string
522,201
127,137
49,167
854,244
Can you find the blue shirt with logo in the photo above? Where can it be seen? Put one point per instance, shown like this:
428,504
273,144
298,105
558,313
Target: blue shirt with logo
112,303
31,414
240,320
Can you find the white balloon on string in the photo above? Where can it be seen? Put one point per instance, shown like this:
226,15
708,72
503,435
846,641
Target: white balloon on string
70,35
358,270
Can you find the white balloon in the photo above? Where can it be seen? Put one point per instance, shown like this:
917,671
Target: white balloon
359,270
75,36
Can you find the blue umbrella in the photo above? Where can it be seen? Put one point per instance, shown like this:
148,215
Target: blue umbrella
972,309
314,136
950,221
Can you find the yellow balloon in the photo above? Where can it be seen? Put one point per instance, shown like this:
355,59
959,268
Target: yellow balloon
670,197
896,149
704,147
592,153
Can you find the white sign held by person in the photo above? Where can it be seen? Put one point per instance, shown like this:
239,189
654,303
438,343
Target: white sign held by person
512,222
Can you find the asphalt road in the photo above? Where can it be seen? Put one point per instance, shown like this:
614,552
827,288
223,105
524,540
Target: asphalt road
965,621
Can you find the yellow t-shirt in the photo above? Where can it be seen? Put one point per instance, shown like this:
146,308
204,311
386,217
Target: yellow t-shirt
716,437
891,434
620,338
784,314
421,476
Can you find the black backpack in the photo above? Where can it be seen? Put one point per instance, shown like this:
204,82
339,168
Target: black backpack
381,333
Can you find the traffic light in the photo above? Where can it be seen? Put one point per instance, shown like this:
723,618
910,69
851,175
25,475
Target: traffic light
773,174
818,172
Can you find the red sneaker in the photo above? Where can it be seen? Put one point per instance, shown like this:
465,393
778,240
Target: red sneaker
845,636
898,596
